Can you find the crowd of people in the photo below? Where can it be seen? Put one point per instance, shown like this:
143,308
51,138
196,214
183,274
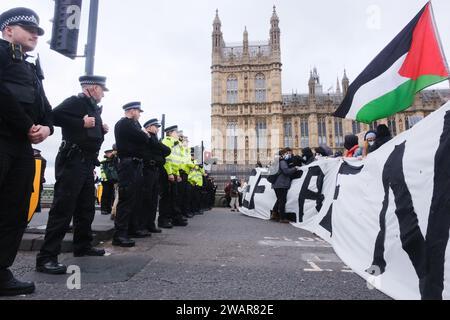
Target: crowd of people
289,165
139,174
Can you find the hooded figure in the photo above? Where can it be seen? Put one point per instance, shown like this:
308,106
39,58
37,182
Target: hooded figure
307,156
324,151
383,136
350,145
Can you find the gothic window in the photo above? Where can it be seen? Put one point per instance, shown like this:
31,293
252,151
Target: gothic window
232,89
322,131
410,121
373,126
232,136
392,126
338,133
304,133
261,135
260,88
288,140
356,127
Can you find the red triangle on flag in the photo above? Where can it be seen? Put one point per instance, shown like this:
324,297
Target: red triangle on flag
425,56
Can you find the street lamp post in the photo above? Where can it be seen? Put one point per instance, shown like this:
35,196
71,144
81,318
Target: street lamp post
92,36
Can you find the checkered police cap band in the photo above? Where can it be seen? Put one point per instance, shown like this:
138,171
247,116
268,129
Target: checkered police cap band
16,19
91,82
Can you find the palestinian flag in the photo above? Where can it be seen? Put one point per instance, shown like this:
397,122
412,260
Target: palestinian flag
412,61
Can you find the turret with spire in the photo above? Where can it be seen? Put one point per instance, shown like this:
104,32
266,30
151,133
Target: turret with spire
245,43
338,86
217,36
345,83
275,32
312,85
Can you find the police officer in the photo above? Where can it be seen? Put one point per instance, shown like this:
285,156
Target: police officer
131,142
154,159
169,212
184,187
74,197
109,178
25,119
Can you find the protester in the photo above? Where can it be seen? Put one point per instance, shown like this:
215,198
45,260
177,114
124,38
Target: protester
234,193
369,142
307,156
283,183
321,151
241,190
383,136
351,146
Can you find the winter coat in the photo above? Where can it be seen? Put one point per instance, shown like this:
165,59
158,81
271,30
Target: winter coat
285,176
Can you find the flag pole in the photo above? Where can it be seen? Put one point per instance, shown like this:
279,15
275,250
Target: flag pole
441,48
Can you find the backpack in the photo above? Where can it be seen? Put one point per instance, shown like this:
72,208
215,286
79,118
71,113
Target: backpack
274,170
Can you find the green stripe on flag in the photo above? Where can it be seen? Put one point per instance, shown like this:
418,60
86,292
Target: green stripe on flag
397,100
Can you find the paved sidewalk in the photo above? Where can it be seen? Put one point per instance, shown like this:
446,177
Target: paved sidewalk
102,228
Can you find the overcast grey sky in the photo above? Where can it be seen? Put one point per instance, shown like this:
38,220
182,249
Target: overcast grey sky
159,52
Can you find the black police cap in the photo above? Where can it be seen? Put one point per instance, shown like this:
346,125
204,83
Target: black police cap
133,105
94,80
20,17
170,129
152,122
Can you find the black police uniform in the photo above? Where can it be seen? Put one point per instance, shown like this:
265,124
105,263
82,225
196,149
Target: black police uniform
154,159
74,192
131,142
109,166
23,104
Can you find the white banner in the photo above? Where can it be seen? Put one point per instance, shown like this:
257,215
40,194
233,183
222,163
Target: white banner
387,216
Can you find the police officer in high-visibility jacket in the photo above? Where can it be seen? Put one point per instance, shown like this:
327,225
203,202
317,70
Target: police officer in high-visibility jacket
184,188
169,212
196,180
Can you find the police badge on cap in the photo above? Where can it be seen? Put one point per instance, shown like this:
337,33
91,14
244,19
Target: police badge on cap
20,17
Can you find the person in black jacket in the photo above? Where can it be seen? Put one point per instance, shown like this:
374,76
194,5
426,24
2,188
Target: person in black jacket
154,159
283,183
25,119
74,197
383,135
131,144
307,156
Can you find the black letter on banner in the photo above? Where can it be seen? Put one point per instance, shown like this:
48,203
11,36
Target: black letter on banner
439,218
257,189
306,194
345,169
411,237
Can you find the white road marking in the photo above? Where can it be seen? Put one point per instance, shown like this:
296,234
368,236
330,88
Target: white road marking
315,268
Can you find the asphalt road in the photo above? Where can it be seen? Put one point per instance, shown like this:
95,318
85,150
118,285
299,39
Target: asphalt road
220,255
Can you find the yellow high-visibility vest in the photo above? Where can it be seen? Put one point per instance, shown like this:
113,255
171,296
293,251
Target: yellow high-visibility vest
174,159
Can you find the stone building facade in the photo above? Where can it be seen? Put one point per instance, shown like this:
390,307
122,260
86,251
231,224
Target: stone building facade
251,119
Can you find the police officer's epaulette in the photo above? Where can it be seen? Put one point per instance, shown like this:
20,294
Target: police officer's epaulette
16,52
